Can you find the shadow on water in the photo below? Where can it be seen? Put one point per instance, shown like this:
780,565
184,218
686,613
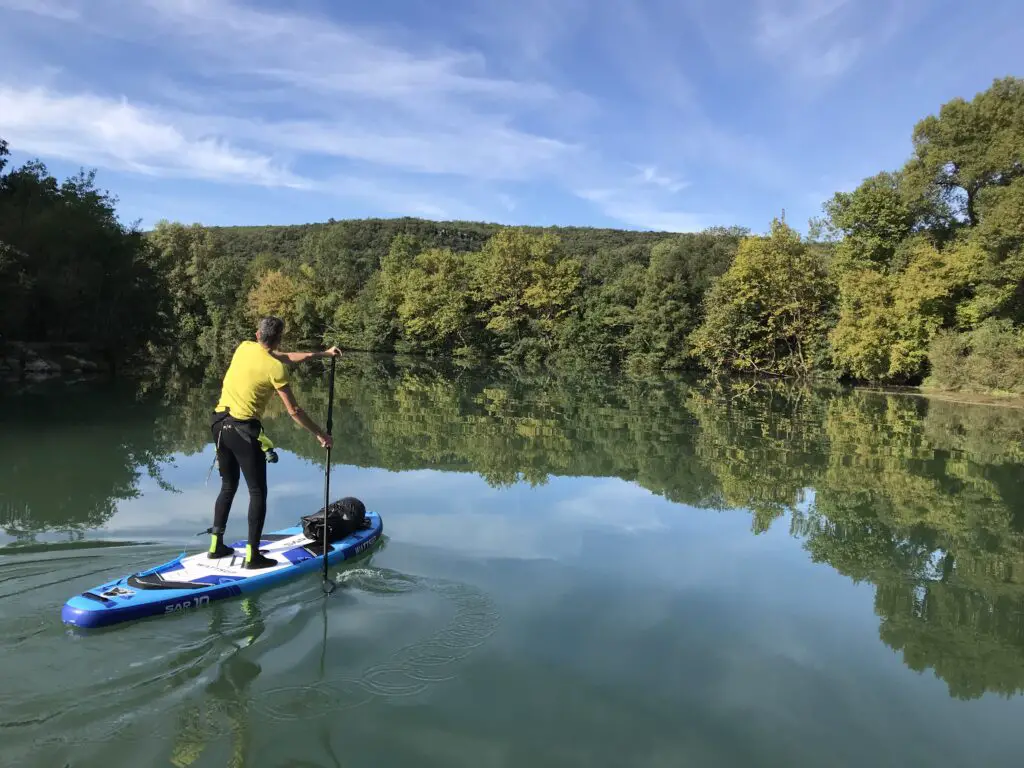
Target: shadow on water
60,546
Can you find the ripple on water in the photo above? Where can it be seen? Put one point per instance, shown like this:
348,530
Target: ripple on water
201,678
409,670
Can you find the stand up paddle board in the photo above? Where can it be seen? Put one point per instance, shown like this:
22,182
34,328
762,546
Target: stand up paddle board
195,580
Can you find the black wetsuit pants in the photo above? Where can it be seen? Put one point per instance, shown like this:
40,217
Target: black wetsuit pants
238,449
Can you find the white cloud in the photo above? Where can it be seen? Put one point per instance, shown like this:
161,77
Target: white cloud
481,152
801,33
318,54
820,40
650,175
50,8
390,117
400,198
345,94
119,135
615,504
633,209
783,23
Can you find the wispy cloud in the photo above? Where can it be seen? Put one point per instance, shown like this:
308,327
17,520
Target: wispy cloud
51,8
120,135
250,94
481,152
318,54
641,211
401,197
652,111
435,111
804,35
649,175
820,40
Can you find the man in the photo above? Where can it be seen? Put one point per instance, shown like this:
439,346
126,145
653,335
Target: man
257,370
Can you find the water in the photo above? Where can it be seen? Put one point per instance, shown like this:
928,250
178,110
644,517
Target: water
576,571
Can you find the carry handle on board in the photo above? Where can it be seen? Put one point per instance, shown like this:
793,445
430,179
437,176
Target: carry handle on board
327,475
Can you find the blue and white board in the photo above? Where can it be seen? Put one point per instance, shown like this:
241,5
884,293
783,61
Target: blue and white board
195,580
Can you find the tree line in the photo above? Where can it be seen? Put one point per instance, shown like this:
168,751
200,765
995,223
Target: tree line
69,270
915,276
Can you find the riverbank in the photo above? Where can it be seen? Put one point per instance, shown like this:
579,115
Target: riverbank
33,362
37,361
1002,399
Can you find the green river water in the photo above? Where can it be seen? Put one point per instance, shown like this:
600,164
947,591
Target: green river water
576,571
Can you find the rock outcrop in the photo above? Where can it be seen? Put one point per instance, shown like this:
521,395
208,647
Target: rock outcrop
38,361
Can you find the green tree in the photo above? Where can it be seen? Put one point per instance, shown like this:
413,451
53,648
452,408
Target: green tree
436,305
597,333
525,287
274,294
768,313
931,253
873,221
887,321
72,272
970,146
183,254
680,271
987,358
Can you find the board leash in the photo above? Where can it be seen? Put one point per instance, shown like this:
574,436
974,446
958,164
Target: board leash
327,474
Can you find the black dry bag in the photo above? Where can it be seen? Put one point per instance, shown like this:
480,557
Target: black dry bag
343,518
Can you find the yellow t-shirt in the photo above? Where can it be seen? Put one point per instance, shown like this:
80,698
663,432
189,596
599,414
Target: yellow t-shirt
251,379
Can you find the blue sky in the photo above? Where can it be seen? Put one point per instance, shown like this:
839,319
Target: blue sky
650,114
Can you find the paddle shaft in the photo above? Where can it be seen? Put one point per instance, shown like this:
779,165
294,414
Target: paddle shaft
327,473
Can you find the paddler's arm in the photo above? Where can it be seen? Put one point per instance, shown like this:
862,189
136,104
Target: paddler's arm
299,416
301,357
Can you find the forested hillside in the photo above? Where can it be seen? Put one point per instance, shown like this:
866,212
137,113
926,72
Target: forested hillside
446,288
917,275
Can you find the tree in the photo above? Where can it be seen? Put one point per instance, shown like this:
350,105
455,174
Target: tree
866,329
873,220
525,286
936,250
768,313
16,287
274,294
970,146
887,321
435,309
999,291
611,283
70,270
183,253
680,271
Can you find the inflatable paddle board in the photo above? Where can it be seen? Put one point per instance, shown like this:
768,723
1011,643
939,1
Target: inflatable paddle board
195,580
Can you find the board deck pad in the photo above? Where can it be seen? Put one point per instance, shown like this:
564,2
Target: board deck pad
194,580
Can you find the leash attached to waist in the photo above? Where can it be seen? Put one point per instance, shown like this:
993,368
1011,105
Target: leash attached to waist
250,429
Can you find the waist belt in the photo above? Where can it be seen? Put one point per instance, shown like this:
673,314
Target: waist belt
247,428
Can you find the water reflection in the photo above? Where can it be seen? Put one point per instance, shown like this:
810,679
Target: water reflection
227,697
922,499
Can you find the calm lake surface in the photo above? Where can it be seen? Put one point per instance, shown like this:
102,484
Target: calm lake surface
577,571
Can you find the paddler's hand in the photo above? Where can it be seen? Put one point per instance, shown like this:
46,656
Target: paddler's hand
326,441
332,352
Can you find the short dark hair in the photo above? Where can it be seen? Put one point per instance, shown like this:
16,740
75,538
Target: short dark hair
270,330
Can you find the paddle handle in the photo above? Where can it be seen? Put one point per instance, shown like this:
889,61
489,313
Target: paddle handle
327,473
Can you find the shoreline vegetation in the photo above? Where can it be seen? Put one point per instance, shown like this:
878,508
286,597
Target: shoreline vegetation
913,282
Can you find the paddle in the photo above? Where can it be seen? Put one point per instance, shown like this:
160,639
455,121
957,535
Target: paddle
327,474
